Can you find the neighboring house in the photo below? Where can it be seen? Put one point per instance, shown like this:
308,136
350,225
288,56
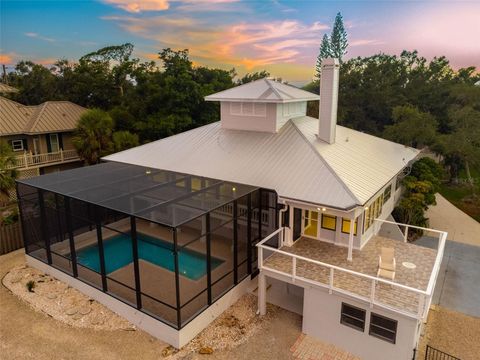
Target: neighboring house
40,135
178,229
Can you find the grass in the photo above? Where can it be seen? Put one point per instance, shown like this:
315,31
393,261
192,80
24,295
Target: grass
462,195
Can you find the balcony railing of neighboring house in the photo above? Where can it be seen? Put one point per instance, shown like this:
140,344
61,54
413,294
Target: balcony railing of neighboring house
424,297
30,160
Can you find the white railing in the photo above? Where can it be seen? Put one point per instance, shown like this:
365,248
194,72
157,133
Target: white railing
424,296
27,159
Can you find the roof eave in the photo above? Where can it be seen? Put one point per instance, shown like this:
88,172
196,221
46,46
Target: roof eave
274,101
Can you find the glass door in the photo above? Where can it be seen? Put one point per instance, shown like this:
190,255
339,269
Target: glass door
310,223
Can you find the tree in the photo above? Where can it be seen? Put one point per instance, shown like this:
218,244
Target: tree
338,39
325,52
7,172
411,127
123,140
249,77
93,136
420,188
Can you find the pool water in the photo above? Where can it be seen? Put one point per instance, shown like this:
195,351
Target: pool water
118,253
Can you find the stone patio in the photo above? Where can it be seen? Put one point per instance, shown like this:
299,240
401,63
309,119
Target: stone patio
364,261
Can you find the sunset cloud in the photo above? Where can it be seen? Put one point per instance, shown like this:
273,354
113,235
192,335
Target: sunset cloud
6,59
136,6
247,44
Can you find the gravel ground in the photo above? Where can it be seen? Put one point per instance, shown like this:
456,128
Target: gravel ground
452,332
26,333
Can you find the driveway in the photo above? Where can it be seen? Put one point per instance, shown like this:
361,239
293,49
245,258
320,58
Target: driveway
458,283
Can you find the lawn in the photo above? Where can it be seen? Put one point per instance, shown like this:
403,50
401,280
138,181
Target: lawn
462,195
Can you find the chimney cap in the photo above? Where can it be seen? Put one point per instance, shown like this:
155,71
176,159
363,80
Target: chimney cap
330,61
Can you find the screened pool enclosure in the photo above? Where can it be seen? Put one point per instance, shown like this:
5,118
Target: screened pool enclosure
166,243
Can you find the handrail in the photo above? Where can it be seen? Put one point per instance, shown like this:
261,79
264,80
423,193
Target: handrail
28,159
351,272
424,296
407,225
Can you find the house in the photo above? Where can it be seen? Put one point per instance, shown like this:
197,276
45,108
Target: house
41,135
171,233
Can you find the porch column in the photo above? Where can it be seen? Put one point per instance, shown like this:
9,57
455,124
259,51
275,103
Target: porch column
262,294
350,238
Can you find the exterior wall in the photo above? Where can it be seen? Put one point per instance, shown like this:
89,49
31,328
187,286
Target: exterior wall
42,143
176,338
387,209
276,116
321,319
283,116
265,123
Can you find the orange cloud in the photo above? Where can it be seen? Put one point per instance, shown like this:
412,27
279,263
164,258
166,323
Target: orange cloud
6,59
136,6
247,45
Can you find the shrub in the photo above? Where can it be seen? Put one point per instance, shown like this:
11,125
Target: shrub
30,285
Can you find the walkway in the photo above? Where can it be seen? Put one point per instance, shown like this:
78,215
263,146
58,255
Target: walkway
447,217
457,285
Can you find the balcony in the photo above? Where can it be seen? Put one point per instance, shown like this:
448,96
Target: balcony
311,262
29,160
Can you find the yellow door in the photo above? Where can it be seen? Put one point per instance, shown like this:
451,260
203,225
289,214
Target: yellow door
311,223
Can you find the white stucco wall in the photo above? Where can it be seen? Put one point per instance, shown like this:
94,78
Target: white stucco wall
265,123
321,319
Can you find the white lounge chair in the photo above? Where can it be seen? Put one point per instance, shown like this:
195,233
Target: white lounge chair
386,263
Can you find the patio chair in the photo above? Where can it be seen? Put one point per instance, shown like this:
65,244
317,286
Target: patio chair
386,263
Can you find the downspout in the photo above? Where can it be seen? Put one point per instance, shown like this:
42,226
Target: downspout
280,217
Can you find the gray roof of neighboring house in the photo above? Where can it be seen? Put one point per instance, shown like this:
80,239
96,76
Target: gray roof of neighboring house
4,88
51,116
263,90
293,161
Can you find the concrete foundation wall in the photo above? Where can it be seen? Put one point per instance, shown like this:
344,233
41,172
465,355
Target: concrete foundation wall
321,319
156,328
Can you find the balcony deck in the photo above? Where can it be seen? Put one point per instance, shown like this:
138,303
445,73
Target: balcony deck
29,161
365,262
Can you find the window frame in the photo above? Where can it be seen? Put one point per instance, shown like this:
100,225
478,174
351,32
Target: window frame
387,193
381,337
335,222
57,142
257,109
355,226
342,314
16,141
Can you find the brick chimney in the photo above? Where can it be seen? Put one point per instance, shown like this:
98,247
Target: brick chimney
328,100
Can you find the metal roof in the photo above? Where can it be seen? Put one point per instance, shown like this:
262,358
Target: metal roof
263,90
4,88
51,116
292,162
165,197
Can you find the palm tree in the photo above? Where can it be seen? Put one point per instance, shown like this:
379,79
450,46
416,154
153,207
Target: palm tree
8,173
93,136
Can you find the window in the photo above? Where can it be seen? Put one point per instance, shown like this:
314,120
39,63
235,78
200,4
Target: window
383,328
248,109
17,145
329,222
292,108
54,144
387,193
346,226
353,317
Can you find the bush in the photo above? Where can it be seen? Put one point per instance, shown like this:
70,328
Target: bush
30,285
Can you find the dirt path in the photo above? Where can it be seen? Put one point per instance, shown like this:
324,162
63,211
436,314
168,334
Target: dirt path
27,334
452,332
447,217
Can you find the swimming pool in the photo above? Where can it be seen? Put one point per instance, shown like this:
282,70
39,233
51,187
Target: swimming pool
118,253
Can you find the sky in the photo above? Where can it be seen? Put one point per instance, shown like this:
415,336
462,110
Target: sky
280,36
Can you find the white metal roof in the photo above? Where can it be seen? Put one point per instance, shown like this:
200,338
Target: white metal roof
292,162
263,90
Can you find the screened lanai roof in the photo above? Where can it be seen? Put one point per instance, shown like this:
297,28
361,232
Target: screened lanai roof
165,197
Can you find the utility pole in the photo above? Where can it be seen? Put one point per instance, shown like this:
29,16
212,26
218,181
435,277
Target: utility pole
4,76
